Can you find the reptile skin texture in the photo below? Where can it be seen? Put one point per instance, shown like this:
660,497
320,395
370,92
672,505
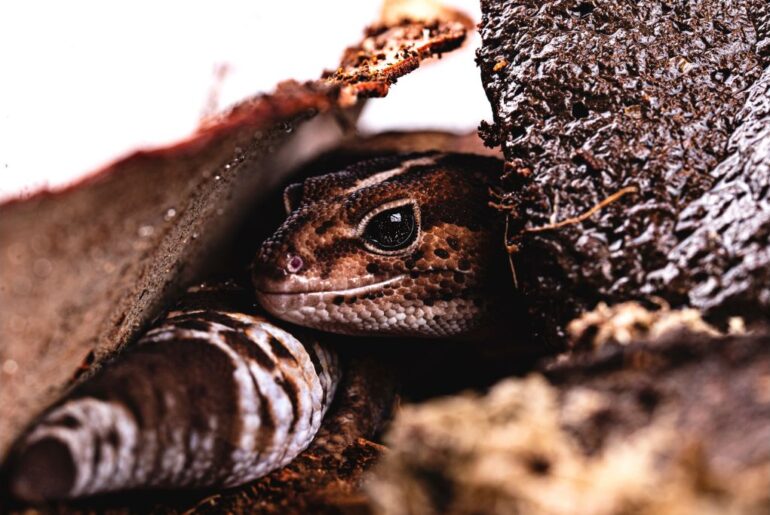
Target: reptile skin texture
324,268
216,395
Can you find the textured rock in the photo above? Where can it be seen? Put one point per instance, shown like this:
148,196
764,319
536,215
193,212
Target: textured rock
590,97
721,264
675,427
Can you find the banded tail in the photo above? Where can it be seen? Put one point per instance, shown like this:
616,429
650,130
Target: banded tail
207,398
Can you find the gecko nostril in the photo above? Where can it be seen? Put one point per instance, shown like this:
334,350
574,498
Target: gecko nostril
294,264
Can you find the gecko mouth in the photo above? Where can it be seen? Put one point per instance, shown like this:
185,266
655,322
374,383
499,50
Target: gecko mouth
357,290
282,303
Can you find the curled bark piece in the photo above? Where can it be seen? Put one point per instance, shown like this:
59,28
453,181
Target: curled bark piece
390,51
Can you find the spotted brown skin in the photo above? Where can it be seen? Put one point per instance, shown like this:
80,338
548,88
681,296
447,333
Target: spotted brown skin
325,267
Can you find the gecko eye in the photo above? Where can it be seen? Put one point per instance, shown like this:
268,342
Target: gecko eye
392,229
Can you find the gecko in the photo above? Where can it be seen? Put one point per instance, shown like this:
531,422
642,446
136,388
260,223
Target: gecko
220,392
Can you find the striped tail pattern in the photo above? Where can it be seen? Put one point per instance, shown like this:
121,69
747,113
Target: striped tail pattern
208,397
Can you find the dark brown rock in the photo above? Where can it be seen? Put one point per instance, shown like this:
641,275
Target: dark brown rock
590,97
721,263
674,425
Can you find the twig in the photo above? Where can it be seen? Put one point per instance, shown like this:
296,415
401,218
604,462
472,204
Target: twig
510,249
588,214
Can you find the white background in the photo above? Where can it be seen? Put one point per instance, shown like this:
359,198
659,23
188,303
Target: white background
85,82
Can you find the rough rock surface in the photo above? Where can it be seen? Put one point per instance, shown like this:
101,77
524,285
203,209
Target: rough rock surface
646,428
592,96
722,261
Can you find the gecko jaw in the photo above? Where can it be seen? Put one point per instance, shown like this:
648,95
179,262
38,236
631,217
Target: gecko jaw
279,303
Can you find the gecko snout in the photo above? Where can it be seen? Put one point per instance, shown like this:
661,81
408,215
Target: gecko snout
278,270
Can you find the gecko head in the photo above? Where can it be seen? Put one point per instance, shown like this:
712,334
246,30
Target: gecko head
400,245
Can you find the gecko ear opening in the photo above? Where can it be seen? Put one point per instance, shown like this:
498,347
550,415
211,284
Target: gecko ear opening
292,196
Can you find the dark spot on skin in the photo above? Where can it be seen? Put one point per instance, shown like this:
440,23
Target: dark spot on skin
418,255
459,278
602,418
199,422
439,487
266,421
97,458
113,438
447,296
464,264
351,300
538,465
453,243
443,254
311,351
289,386
328,256
68,421
372,268
428,302
241,344
585,8
46,468
409,263
339,299
279,349
194,325
585,340
321,229
649,398
210,316
414,274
